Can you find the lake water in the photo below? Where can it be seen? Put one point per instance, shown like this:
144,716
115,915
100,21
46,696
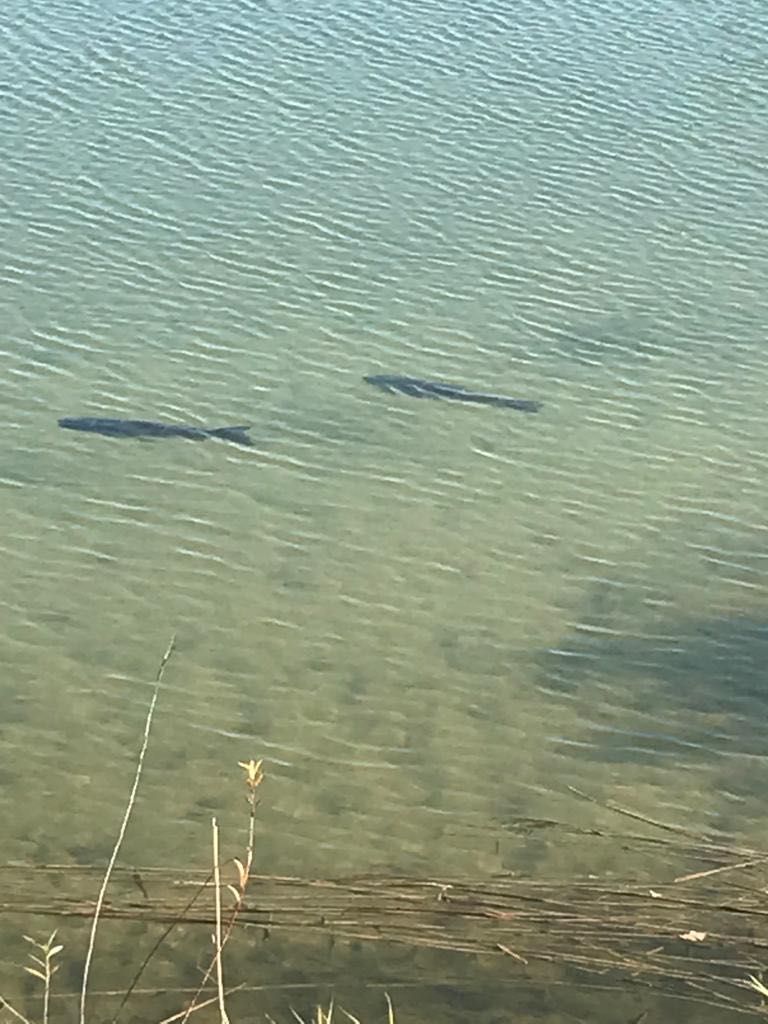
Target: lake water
429,618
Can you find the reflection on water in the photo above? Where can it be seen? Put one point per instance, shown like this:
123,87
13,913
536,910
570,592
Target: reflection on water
428,618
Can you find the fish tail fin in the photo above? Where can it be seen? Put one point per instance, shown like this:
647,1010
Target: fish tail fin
238,434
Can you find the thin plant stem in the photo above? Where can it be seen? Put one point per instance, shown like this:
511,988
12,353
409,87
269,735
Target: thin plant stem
44,969
217,891
137,976
5,1005
47,991
183,1014
50,970
123,825
390,1009
253,779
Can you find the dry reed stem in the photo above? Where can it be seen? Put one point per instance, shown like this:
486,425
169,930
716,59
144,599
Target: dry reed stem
49,952
390,1009
321,1016
718,871
254,777
217,896
664,825
44,969
123,825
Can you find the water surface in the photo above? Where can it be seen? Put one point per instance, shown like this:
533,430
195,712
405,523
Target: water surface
430,619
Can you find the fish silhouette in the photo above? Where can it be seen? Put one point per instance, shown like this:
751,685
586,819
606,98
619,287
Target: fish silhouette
148,428
418,388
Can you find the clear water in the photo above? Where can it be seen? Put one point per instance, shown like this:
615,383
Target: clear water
429,618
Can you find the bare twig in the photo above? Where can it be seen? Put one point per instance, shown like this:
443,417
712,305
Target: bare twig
183,1014
611,806
123,825
166,932
511,952
720,870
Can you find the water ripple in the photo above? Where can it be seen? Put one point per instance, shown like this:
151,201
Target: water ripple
231,214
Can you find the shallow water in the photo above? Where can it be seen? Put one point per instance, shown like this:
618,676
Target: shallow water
430,619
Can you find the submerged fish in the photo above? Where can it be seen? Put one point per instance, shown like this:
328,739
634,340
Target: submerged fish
435,389
146,428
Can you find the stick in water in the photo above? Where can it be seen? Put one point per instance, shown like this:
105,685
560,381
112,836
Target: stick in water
124,824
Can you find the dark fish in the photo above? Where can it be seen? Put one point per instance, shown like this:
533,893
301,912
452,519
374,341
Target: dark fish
434,389
146,428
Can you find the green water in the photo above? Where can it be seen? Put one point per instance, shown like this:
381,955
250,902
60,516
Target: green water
429,619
